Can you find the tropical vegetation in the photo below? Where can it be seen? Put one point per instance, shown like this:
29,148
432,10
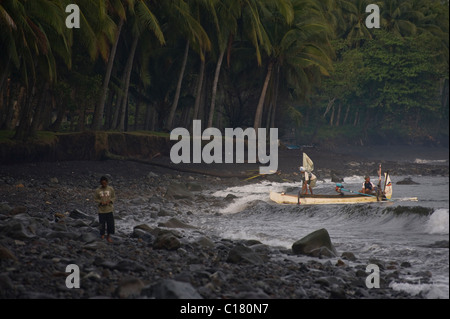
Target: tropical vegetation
312,68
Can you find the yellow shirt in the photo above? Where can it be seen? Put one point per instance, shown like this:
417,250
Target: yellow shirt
105,195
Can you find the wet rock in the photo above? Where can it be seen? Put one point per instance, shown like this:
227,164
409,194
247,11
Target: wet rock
6,284
439,244
18,210
230,197
5,209
194,187
178,191
143,235
167,241
205,242
89,237
241,253
313,241
15,229
336,177
407,181
259,294
338,293
129,288
129,265
5,253
78,214
166,212
176,223
322,252
171,289
348,255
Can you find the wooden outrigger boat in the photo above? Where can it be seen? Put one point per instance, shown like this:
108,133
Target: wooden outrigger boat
341,198
282,198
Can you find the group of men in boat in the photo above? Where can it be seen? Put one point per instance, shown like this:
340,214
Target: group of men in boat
309,181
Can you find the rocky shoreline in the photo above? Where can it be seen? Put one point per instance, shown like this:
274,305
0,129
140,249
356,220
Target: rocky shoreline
48,221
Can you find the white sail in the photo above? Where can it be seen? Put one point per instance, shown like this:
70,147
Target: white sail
307,163
387,186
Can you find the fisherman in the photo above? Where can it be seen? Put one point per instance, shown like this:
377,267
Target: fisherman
308,179
368,187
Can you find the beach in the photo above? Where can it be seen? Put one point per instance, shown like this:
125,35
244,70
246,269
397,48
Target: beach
48,220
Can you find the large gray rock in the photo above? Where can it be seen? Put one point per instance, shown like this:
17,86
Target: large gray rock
176,223
313,243
407,181
171,289
129,288
166,240
5,253
178,191
78,214
15,229
240,253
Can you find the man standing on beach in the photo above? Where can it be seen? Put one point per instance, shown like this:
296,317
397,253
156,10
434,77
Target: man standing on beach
105,197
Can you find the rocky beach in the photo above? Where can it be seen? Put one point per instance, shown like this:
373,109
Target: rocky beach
48,220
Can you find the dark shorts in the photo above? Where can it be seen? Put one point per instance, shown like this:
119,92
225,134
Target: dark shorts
106,221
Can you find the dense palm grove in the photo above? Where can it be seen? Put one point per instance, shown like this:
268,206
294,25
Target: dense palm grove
312,68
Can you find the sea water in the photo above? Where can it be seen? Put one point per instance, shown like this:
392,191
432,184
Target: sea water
400,231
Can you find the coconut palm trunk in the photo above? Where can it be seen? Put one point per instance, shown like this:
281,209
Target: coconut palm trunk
98,113
260,107
214,88
169,124
128,69
199,89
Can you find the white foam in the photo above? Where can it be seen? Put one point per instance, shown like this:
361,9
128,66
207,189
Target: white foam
425,161
248,193
429,291
438,222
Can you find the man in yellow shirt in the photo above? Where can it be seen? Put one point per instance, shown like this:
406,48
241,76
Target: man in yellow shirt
105,197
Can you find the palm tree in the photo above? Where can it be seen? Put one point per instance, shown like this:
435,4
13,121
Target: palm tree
298,51
240,18
116,8
398,17
179,14
143,20
351,15
35,33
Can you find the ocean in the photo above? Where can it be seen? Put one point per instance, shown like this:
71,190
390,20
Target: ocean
413,234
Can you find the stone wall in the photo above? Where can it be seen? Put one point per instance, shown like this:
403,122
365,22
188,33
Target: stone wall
85,146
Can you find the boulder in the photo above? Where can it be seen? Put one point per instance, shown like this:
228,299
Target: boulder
16,230
5,253
167,241
176,223
407,181
241,253
336,178
129,288
78,214
348,255
312,244
178,191
5,208
171,289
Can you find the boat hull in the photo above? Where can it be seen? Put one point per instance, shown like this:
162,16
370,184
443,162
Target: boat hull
281,198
